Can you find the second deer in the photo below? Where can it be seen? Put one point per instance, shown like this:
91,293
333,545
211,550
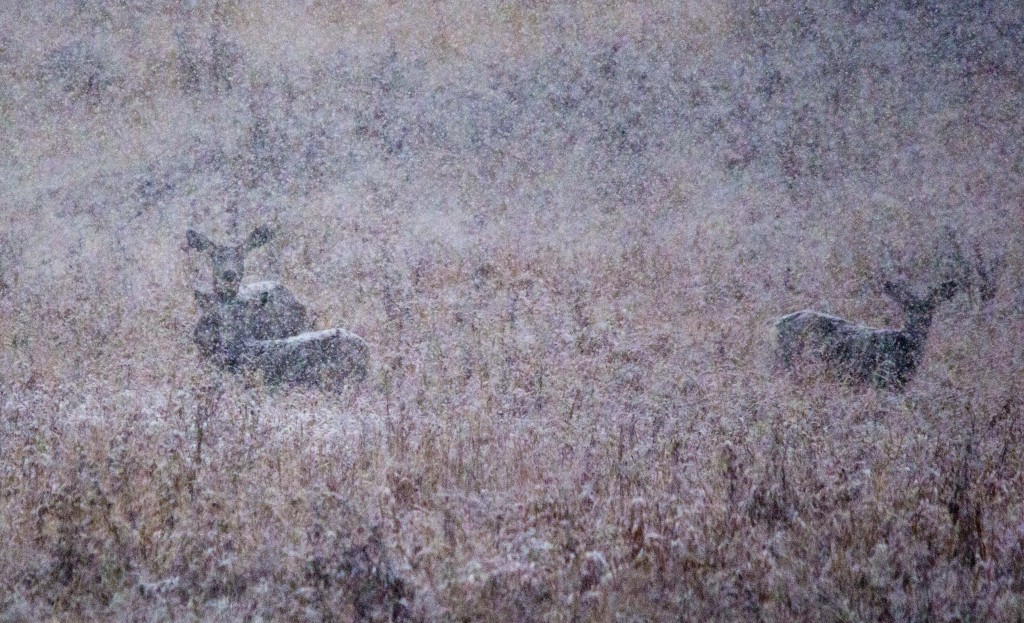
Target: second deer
326,359
267,309
886,358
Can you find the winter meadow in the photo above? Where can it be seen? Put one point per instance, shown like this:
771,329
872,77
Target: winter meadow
491,311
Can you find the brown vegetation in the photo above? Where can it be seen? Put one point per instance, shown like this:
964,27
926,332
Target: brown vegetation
563,230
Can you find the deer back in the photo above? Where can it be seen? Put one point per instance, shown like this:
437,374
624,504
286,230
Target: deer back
269,310
323,358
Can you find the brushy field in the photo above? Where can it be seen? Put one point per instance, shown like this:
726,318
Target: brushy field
564,230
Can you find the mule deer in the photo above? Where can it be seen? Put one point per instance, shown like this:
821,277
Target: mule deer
319,358
887,358
267,309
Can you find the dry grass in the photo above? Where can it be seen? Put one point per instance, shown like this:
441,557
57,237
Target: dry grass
564,232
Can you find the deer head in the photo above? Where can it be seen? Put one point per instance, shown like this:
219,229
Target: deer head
919,310
228,260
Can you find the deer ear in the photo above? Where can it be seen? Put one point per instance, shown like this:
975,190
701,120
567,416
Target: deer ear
898,293
197,241
259,237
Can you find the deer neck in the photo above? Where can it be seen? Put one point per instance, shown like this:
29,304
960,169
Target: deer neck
916,328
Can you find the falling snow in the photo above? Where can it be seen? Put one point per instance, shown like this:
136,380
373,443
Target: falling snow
563,233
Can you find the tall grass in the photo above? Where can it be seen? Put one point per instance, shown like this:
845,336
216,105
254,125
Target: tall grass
564,231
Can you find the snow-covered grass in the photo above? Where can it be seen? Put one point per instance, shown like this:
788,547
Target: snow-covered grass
564,232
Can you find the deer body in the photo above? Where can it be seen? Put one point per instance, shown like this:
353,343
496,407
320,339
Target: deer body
320,358
864,354
883,357
270,310
326,358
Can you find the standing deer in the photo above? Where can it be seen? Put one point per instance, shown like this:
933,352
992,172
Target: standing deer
320,358
266,308
887,358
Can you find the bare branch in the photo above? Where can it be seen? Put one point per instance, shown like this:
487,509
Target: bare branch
988,271
198,241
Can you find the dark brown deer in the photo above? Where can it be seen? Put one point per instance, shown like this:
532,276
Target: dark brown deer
886,358
266,309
